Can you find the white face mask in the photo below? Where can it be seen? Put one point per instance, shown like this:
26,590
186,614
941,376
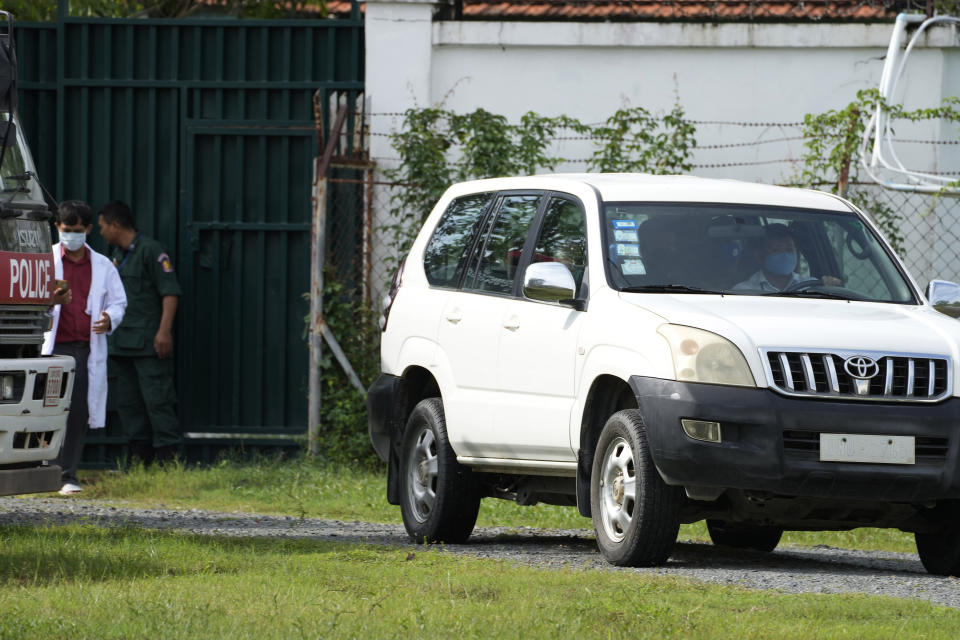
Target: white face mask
72,241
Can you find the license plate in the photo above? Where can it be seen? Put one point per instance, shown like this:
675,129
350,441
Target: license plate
51,397
855,447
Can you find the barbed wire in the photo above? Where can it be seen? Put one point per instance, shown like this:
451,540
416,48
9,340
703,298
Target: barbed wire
730,145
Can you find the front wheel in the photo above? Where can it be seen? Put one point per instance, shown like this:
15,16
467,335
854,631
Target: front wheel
438,499
636,515
737,536
940,552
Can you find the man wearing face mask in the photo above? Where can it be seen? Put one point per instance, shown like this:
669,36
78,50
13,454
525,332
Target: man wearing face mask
83,315
778,262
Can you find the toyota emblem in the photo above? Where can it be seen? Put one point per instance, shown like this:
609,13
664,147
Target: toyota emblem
861,367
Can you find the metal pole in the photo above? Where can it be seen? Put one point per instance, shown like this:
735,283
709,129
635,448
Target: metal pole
317,241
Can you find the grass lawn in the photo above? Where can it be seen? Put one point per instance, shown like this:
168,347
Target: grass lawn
84,582
307,488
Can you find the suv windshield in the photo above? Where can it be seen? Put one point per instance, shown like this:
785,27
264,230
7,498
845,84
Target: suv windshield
748,250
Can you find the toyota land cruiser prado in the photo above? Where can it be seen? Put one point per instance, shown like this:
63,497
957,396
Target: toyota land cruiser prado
660,349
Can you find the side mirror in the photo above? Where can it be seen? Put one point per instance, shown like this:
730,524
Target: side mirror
945,297
549,282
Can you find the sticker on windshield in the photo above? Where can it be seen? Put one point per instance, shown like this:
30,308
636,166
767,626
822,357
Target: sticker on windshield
624,224
625,235
633,268
626,249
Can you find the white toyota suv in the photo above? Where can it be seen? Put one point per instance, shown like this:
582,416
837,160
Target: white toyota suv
662,349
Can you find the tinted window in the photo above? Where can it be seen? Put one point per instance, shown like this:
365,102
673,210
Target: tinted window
446,253
500,256
563,238
749,250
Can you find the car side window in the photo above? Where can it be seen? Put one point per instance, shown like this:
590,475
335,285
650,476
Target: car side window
563,238
446,254
500,255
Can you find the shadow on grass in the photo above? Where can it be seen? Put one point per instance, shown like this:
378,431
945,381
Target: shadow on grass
43,555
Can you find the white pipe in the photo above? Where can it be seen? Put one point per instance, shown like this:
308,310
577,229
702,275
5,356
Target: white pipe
880,124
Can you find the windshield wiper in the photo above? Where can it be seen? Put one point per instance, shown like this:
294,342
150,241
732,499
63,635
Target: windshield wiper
669,288
809,293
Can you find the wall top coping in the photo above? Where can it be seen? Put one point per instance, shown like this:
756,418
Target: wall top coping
678,35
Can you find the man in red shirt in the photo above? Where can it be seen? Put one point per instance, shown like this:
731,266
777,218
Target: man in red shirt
92,307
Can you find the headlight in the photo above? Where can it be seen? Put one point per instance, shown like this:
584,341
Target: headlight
6,387
701,356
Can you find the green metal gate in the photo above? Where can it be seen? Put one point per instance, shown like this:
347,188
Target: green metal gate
206,128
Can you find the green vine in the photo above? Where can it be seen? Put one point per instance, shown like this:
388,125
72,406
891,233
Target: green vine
438,147
832,145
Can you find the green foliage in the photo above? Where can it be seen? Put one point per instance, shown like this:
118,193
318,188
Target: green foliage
343,426
46,10
946,7
636,141
833,143
438,147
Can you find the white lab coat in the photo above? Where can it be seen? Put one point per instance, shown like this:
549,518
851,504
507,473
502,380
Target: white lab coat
106,294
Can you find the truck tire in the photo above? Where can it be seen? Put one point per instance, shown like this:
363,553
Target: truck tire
636,515
738,536
940,552
438,498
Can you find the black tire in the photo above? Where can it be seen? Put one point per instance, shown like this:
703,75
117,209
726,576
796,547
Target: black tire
638,530
940,552
438,498
739,536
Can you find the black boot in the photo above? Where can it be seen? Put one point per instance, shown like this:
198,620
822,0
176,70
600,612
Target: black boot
142,452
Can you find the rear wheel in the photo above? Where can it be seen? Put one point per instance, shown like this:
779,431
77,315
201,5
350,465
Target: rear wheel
438,500
740,536
940,552
636,515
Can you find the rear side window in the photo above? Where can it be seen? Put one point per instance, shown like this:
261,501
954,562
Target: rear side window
446,253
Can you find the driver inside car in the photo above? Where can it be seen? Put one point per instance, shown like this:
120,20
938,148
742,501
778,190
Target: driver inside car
778,259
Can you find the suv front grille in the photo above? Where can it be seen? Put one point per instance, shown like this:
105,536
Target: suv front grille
22,325
896,377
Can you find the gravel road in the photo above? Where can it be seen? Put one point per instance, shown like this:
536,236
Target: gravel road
788,569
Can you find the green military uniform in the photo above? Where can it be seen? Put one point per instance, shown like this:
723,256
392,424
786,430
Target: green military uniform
144,391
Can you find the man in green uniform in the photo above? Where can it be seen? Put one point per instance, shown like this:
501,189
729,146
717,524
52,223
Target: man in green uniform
142,347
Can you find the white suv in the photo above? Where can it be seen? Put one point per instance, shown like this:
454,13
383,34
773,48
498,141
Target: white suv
661,349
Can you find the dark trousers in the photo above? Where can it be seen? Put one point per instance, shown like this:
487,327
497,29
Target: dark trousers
79,417
146,400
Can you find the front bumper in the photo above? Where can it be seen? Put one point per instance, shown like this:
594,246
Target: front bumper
32,427
770,442
31,480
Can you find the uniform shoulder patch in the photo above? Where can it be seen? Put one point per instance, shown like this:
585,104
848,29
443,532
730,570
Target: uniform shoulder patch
165,263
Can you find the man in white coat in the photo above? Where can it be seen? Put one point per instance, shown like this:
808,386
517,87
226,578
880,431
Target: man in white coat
85,311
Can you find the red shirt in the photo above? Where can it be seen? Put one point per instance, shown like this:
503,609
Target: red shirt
74,320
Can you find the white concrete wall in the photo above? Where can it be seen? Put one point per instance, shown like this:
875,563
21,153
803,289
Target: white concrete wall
758,73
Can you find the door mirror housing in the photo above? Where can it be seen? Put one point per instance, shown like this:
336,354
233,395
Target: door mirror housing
550,282
945,297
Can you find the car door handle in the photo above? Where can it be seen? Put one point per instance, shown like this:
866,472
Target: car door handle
454,316
513,323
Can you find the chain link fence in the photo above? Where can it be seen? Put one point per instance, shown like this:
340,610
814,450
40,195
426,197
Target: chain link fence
928,229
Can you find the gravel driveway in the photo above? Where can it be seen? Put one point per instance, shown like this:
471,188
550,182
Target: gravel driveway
789,569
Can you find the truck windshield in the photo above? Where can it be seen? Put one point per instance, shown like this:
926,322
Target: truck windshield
14,181
748,250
